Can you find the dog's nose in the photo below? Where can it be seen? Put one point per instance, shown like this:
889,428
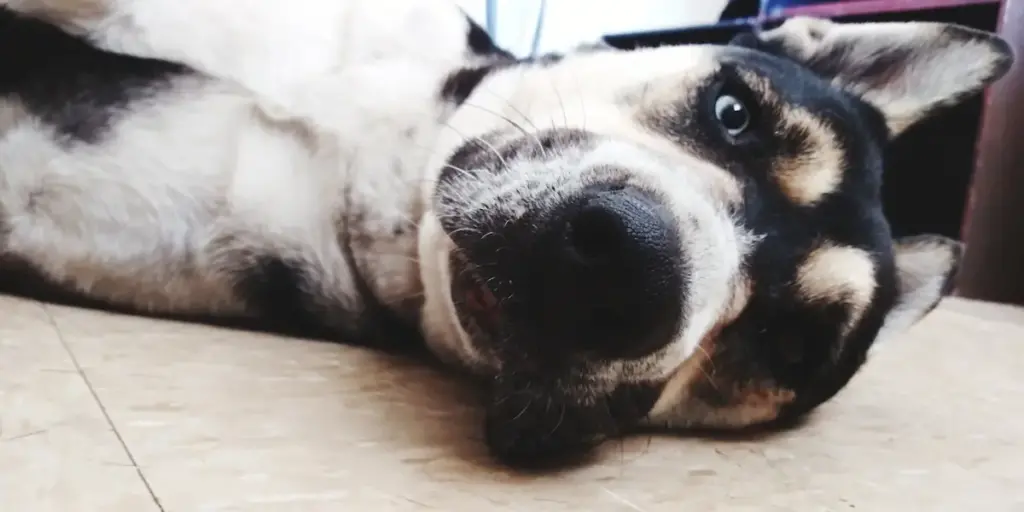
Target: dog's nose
613,273
617,227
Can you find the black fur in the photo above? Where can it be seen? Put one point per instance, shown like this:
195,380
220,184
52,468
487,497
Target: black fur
481,43
534,423
472,156
274,286
69,84
277,290
281,295
489,152
461,83
539,145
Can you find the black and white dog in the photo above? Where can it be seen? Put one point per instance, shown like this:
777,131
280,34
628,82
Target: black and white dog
679,237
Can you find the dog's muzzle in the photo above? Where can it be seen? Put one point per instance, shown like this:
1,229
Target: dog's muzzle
600,275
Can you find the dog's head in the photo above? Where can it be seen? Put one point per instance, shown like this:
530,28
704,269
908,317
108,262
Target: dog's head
685,236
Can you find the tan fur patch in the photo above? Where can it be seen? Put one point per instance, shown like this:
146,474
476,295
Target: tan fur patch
838,275
61,12
681,404
817,171
674,395
677,389
742,292
755,405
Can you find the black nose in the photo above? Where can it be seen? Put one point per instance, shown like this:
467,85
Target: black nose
606,274
617,227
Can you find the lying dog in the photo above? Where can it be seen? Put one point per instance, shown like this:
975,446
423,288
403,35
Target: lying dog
678,237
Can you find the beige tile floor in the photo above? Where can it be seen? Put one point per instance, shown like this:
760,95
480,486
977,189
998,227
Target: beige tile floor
111,413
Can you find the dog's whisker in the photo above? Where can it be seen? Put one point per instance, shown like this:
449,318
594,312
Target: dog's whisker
533,134
479,141
525,118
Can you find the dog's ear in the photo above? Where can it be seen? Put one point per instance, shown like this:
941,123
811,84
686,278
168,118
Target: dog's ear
904,69
926,266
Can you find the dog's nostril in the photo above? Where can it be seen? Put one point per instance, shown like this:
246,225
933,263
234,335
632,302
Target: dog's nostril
615,225
594,233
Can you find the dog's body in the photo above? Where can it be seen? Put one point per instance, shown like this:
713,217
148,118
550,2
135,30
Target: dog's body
342,168
218,196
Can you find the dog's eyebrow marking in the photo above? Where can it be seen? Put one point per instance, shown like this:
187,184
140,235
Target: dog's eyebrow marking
816,170
837,274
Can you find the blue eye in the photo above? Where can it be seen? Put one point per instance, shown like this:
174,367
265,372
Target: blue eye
733,114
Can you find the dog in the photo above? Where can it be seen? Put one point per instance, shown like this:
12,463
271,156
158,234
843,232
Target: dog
682,237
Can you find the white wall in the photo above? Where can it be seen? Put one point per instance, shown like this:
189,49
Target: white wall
571,22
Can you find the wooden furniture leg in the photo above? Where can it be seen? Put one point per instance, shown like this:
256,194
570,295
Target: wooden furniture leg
993,266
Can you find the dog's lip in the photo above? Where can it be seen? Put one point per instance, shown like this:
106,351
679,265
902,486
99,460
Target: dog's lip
473,298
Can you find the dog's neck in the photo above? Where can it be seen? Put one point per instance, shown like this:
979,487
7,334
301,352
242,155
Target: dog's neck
382,210
391,172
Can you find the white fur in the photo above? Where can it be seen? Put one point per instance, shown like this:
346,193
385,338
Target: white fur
121,218
288,122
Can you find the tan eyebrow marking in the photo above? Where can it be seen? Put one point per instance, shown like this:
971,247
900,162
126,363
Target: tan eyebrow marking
817,171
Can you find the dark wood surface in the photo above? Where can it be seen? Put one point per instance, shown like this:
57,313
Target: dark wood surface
993,267
871,7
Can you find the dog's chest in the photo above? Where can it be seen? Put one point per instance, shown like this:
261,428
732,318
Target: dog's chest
384,209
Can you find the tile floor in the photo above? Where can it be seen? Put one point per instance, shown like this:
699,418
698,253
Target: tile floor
112,413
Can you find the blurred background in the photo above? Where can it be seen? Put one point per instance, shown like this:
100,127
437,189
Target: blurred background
567,23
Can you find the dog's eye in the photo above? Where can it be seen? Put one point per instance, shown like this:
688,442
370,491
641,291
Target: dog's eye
732,113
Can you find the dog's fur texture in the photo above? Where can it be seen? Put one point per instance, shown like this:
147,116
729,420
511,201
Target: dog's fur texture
676,237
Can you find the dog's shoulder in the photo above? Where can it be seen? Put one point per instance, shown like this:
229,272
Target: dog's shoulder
68,85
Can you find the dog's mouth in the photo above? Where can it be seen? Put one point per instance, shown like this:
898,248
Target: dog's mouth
476,304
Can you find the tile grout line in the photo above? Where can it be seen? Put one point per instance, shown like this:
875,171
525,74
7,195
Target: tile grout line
103,409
